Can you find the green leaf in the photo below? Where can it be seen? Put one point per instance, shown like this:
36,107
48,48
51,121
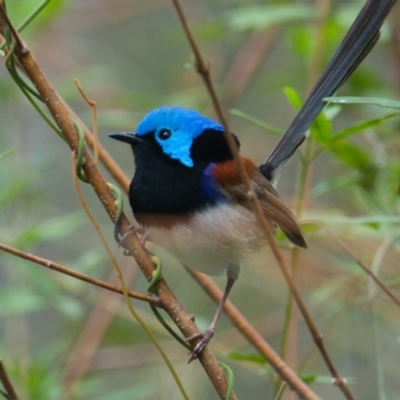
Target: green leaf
361,126
308,378
22,9
257,122
332,111
261,17
252,357
309,227
351,155
293,97
321,129
387,103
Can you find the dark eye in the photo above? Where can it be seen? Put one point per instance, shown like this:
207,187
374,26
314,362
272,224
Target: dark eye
164,134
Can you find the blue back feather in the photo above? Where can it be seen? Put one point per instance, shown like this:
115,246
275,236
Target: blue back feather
184,124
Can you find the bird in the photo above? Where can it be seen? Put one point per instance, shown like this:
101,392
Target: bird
187,194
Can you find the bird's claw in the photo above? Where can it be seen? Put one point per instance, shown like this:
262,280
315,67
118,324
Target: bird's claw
198,349
131,231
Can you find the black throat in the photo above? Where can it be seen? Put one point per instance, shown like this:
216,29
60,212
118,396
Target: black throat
162,185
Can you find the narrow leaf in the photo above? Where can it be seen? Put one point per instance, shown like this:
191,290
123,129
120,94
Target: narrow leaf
362,126
376,101
351,155
257,122
293,97
261,17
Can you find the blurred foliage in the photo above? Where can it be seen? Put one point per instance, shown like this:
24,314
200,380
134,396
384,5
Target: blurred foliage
131,57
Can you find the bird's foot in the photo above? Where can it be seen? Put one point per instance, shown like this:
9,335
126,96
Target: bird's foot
132,230
198,349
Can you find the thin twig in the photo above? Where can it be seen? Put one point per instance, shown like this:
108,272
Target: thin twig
8,386
204,72
384,288
289,343
67,271
95,129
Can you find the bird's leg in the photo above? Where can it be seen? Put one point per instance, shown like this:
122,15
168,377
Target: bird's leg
233,273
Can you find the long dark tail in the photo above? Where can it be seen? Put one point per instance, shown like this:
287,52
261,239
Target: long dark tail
358,42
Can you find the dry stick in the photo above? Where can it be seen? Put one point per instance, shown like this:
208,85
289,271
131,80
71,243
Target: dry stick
8,386
95,129
204,72
105,158
61,115
64,270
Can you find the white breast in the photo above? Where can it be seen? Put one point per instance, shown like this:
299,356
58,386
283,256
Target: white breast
211,239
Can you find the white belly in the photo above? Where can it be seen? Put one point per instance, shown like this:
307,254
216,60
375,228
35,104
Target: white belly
212,239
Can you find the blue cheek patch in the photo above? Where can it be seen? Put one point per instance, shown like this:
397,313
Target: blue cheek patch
185,126
177,147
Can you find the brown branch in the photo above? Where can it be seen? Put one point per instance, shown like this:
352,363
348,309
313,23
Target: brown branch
70,272
61,115
8,386
92,104
105,158
204,72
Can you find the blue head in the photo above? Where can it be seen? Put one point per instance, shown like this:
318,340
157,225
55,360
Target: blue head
175,129
177,134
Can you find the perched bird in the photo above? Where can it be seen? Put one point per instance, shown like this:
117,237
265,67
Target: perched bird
187,192
188,196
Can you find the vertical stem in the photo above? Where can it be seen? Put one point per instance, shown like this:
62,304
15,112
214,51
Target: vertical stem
314,69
